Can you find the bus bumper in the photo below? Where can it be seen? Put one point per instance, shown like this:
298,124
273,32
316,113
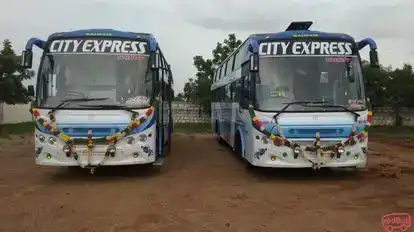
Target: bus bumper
270,155
141,151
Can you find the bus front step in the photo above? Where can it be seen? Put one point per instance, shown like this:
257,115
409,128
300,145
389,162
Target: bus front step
158,162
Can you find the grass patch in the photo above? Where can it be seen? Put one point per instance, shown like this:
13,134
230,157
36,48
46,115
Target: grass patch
17,128
192,127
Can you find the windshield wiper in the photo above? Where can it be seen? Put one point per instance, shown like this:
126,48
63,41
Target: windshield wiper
111,107
64,102
316,104
342,107
106,106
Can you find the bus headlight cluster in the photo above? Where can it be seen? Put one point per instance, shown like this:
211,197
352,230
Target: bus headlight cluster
52,140
130,140
142,138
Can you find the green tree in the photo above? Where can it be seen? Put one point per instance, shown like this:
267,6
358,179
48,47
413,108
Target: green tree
400,86
12,74
197,89
190,89
376,84
388,87
179,97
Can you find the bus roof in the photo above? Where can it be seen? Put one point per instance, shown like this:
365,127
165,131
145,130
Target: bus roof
102,32
296,34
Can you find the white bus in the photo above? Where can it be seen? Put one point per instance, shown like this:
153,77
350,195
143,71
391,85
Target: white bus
103,97
294,99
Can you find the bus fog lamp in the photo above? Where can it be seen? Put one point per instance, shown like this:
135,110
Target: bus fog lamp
52,140
142,138
356,156
273,157
135,155
130,140
48,156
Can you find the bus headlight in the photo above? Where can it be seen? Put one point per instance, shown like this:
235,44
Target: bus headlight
142,138
130,140
341,150
265,140
52,140
42,138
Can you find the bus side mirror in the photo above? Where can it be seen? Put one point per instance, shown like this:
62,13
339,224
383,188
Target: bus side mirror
30,91
254,63
27,59
373,59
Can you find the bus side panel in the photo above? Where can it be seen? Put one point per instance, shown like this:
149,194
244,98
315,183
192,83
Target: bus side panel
221,119
248,138
233,111
166,120
228,121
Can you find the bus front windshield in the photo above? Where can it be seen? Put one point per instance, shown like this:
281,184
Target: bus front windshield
119,79
334,80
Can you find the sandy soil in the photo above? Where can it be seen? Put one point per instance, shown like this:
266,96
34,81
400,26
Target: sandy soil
202,187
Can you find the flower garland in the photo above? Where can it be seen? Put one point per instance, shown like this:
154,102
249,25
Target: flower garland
112,139
282,141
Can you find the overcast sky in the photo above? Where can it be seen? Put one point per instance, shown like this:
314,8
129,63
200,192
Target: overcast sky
185,28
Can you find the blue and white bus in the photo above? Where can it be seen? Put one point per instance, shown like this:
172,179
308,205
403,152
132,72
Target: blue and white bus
103,97
294,99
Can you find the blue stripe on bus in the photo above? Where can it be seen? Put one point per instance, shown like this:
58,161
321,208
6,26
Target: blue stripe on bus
304,131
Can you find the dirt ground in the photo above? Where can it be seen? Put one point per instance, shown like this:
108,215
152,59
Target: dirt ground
203,187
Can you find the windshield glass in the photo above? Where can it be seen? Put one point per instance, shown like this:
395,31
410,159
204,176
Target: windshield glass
124,79
334,80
